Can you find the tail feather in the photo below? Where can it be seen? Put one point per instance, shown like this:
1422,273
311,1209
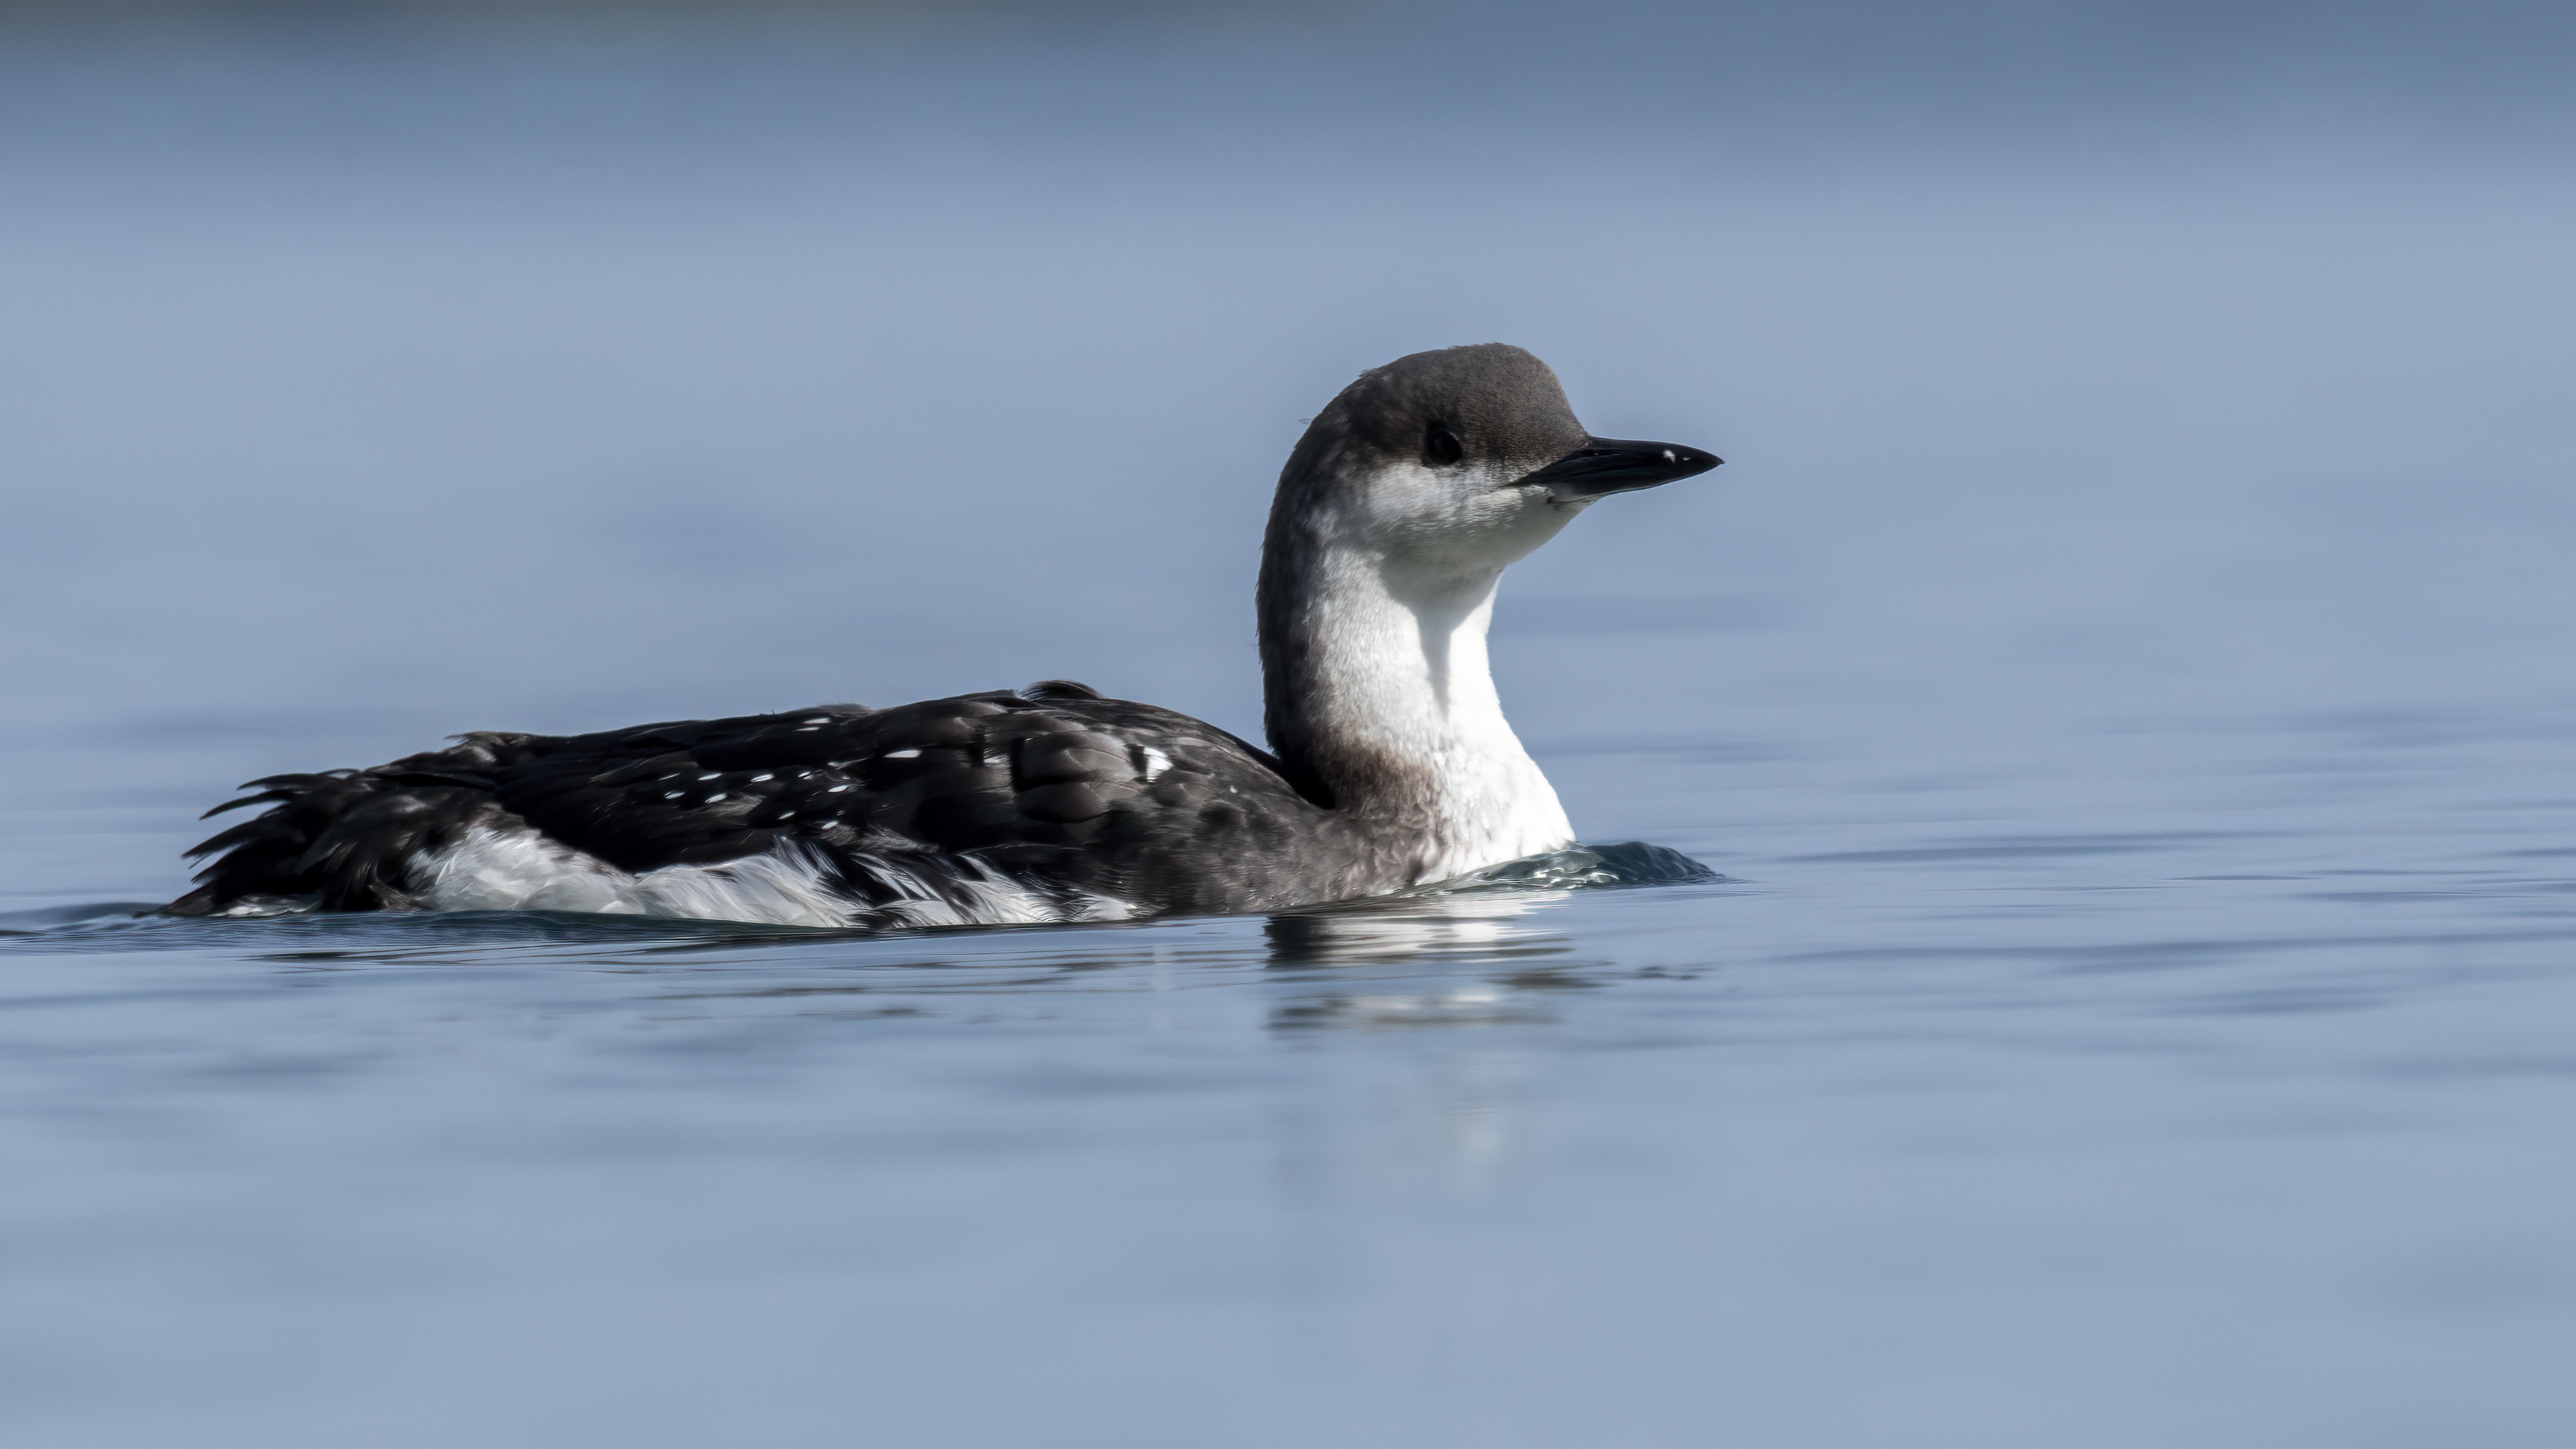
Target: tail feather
302,782
264,797
344,840
241,832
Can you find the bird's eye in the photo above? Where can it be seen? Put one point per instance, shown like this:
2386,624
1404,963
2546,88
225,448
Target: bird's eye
1440,447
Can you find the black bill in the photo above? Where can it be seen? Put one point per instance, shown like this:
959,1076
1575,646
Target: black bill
1603,466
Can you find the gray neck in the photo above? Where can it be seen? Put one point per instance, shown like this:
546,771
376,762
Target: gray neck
1380,702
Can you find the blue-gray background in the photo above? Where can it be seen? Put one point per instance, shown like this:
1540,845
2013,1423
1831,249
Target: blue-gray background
2123,662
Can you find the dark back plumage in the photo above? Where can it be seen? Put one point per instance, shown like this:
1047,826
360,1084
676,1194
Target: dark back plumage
1068,790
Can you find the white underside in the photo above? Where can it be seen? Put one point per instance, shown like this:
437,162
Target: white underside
521,870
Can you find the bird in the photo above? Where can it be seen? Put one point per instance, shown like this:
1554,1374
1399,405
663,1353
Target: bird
1390,765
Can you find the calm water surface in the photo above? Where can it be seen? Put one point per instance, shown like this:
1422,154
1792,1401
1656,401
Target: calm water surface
2121,678
1968,1110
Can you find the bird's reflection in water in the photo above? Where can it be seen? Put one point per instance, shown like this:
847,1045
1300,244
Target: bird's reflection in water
1460,1105
1421,931
1478,924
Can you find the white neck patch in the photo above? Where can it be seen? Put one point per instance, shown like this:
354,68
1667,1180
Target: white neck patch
1404,652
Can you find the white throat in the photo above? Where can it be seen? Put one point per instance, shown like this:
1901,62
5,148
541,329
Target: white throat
1401,652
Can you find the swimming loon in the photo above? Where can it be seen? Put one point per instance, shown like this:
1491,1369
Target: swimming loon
1390,765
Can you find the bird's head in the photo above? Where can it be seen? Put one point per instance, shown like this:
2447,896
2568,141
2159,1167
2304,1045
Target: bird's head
1467,457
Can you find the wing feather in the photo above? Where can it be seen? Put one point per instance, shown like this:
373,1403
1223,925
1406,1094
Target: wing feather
1069,790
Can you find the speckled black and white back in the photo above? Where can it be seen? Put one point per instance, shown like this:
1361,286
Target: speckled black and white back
983,809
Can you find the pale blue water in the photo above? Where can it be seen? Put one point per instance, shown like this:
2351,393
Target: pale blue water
2121,673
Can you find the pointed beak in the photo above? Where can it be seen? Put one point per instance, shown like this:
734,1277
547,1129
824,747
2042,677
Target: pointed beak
1603,466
